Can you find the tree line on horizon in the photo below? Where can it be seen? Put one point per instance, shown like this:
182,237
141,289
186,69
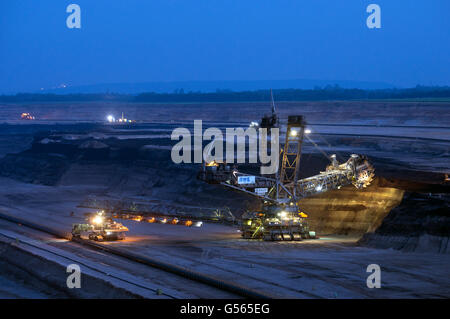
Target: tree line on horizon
178,96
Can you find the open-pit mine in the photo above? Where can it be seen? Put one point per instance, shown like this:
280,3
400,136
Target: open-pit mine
359,183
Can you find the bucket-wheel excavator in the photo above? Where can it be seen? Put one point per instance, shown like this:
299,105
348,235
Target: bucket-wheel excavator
281,217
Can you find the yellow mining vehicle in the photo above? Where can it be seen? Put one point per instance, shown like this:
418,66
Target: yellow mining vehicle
100,228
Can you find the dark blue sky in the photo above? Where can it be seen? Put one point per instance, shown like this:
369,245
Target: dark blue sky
184,40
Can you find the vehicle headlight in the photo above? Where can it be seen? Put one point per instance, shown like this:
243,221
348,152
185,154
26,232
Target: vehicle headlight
97,220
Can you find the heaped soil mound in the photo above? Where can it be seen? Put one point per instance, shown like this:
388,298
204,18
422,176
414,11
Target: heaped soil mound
420,223
45,169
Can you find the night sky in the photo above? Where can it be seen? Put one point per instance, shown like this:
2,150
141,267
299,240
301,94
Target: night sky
188,40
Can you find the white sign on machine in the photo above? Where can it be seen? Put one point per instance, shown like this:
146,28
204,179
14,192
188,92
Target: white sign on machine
261,191
246,179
